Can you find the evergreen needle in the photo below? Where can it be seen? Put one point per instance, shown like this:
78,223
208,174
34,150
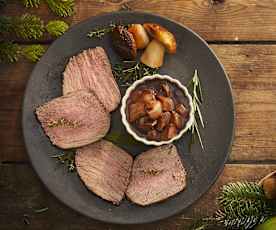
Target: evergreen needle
33,52
61,8
9,52
31,3
101,31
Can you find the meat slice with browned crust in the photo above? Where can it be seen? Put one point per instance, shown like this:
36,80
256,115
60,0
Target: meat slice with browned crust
74,120
91,70
157,174
105,169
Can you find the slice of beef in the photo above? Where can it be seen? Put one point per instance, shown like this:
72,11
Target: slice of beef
91,70
74,120
157,174
105,169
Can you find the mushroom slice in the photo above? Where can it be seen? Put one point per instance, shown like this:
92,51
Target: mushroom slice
153,135
166,88
169,132
135,111
153,55
136,95
167,103
146,124
177,119
163,35
163,121
124,43
156,110
182,110
140,35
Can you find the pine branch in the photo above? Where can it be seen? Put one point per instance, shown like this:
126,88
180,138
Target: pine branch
9,52
28,26
61,8
56,28
31,3
33,52
242,205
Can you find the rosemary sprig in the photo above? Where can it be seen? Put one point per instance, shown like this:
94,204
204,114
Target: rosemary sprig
68,159
128,72
100,32
195,88
61,8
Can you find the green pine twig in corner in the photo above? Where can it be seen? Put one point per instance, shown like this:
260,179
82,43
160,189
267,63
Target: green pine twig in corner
61,8
56,28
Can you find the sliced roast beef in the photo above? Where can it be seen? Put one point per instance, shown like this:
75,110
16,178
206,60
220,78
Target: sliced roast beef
105,169
74,120
157,174
91,70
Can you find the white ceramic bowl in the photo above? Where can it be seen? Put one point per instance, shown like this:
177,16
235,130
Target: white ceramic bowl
141,81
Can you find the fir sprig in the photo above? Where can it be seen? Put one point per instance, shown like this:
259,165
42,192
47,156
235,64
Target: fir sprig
31,3
33,52
61,8
242,205
68,159
194,87
129,71
57,27
28,26
11,52
6,24
100,32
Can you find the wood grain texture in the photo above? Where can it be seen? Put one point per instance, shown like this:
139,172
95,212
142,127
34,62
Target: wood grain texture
213,20
23,193
252,71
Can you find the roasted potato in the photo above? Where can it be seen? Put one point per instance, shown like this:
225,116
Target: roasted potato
153,55
177,119
155,111
169,132
182,110
163,35
146,124
140,35
163,121
153,135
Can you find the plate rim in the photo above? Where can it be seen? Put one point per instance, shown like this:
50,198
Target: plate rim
158,218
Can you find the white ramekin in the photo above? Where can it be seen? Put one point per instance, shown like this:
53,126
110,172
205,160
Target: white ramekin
141,81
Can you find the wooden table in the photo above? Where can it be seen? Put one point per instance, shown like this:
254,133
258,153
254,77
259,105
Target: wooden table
243,35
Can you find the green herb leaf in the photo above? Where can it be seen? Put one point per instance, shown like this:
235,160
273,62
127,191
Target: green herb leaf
31,3
33,52
67,158
61,8
6,25
57,27
9,52
41,210
101,31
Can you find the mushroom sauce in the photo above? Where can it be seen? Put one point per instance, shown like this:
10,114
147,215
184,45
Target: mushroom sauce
157,110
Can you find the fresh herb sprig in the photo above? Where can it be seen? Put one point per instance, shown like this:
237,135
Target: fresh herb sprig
63,8
57,27
197,98
100,32
68,159
11,52
128,72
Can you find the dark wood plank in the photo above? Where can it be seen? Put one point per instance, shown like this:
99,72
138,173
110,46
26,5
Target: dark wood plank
22,193
213,20
252,72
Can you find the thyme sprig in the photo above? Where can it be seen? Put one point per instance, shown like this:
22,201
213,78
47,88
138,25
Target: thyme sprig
128,72
100,32
68,159
197,98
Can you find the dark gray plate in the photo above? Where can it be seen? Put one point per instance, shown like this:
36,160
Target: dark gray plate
203,167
